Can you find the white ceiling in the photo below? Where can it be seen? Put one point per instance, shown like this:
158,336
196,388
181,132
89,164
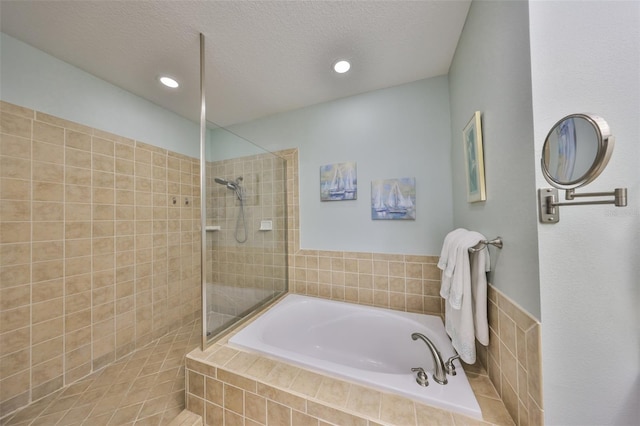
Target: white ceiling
262,57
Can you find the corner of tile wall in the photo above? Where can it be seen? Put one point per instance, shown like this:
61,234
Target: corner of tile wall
513,358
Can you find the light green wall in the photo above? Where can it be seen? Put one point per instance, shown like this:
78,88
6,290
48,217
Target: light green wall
221,144
491,73
33,79
397,132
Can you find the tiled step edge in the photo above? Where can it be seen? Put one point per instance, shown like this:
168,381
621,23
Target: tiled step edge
187,418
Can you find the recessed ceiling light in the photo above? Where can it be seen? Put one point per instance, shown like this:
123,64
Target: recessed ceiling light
341,67
169,82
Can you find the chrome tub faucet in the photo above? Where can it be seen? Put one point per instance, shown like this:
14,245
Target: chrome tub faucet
441,368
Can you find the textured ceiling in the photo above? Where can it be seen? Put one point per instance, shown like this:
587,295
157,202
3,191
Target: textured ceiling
262,57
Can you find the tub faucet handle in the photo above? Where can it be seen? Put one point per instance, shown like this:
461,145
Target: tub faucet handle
449,367
421,377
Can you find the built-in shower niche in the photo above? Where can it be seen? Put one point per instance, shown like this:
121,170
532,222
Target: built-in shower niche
245,266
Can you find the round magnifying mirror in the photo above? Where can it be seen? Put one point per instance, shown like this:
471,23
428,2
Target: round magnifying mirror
576,150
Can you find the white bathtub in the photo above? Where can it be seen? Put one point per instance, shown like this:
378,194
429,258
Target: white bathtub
372,346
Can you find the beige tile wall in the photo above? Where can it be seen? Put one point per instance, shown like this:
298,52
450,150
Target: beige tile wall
401,282
513,358
260,262
95,259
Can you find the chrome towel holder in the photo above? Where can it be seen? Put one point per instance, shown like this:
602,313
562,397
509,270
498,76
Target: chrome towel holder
483,243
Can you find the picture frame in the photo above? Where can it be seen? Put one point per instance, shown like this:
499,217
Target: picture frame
339,182
393,199
474,159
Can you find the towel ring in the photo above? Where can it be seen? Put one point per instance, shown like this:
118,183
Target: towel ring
483,243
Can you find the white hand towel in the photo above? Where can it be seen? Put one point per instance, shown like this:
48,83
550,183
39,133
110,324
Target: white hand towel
461,279
465,310
447,259
459,322
480,265
448,253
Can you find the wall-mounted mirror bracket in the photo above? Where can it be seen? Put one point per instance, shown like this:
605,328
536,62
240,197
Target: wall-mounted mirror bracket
548,201
575,152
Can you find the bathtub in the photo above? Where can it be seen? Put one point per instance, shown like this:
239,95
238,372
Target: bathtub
367,345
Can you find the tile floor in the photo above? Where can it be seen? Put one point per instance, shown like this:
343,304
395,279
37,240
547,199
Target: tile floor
145,388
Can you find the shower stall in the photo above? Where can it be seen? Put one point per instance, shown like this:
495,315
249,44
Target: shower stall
245,229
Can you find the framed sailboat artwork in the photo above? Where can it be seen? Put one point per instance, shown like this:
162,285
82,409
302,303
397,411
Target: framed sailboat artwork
393,199
338,182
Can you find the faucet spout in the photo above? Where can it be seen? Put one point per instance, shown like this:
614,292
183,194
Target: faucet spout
439,375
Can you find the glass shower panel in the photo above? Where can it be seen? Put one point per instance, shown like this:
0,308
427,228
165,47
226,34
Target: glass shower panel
245,228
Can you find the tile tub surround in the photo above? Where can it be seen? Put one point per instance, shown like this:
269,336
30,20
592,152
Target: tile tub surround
402,282
227,386
513,358
92,250
412,283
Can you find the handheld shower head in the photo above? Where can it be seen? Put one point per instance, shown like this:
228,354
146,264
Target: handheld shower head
230,185
234,186
237,188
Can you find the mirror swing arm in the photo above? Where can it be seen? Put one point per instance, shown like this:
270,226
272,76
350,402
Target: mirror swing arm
547,200
562,153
